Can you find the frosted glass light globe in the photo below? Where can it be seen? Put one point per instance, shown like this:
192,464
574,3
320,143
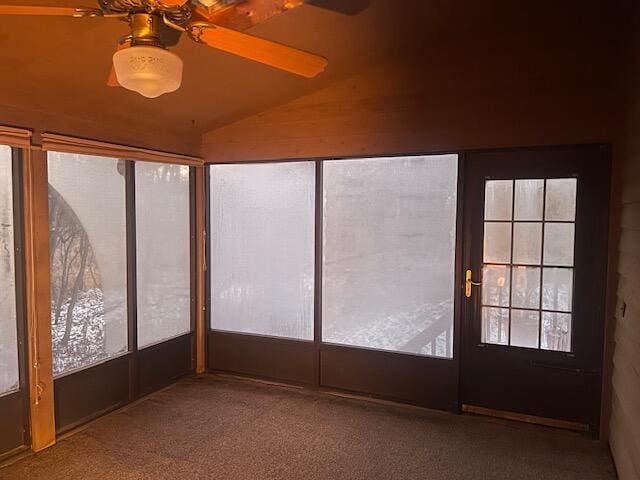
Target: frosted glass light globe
150,71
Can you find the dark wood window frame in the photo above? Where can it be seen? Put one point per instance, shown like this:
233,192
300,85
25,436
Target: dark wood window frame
395,376
83,395
420,380
14,406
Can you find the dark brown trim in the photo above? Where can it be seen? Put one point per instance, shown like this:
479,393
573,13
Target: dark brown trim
207,265
7,458
361,370
519,417
192,252
132,276
162,364
273,358
345,158
89,393
313,364
18,421
419,380
458,295
86,394
317,294
13,416
18,219
561,385
460,152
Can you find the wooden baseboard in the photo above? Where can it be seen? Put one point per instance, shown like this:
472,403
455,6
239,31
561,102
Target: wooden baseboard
521,417
14,455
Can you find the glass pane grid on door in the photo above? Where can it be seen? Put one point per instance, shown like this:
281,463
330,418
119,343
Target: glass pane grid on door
528,263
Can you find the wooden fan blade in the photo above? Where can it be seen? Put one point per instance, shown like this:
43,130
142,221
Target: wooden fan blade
112,81
346,7
50,11
243,15
264,51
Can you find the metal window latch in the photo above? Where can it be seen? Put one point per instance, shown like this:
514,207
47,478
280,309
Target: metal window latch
468,283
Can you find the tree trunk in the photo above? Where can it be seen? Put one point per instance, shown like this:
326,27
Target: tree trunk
77,286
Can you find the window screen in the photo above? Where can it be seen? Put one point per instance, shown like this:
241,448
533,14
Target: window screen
87,235
162,251
389,235
262,248
9,375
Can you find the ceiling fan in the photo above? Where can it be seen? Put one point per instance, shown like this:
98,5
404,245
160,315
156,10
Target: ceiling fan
143,63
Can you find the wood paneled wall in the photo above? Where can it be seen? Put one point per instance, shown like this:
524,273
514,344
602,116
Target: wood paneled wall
165,138
528,89
546,82
382,111
624,435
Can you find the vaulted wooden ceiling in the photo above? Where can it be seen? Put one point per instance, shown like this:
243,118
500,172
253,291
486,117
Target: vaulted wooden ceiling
60,65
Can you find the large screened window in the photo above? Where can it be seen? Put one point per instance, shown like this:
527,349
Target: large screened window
88,259
162,253
389,236
262,242
9,374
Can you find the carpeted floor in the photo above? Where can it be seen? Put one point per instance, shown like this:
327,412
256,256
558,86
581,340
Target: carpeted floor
215,428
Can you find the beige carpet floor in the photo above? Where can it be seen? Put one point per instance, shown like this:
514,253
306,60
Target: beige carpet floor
218,428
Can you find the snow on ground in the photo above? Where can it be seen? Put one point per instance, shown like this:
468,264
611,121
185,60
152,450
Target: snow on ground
398,332
86,344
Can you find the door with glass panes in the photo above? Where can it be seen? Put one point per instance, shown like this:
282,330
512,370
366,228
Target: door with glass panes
536,227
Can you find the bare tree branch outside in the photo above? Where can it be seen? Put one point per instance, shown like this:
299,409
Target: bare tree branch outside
77,306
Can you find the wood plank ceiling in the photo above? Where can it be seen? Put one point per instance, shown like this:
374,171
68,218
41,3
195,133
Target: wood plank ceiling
60,66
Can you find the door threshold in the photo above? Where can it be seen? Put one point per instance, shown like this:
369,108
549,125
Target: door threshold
522,417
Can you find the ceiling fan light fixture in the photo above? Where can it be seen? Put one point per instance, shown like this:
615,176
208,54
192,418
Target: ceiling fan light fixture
150,71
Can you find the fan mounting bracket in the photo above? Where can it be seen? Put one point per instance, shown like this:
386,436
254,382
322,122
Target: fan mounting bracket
88,12
196,29
153,29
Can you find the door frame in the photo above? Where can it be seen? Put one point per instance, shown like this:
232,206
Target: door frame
594,162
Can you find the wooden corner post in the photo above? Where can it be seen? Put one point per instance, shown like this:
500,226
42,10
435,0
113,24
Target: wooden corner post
201,266
38,304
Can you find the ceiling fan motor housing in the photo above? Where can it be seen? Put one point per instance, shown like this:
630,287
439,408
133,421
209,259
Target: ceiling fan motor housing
178,14
149,29
147,20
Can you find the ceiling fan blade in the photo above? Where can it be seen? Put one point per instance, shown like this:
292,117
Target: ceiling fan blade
244,14
112,81
348,7
49,11
260,50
